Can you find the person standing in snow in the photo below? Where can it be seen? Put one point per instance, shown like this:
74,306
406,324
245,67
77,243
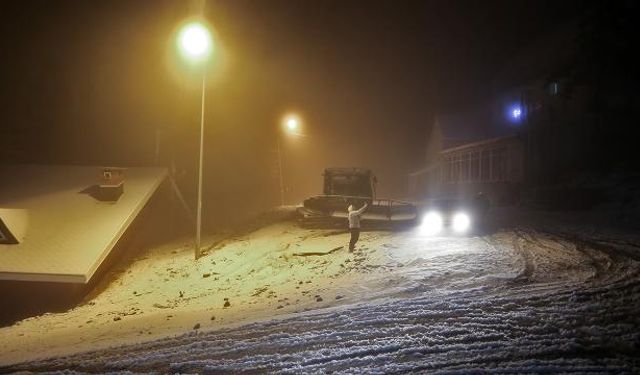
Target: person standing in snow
354,224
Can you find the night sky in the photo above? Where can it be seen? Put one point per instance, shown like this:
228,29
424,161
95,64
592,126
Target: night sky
91,82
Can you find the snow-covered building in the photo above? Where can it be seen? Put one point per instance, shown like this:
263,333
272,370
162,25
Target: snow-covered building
53,228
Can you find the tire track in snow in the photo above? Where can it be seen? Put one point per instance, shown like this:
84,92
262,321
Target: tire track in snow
529,265
570,323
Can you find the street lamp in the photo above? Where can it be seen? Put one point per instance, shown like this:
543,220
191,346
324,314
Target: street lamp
195,45
291,125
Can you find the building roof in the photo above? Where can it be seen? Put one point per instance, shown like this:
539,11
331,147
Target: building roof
63,233
490,141
347,171
471,127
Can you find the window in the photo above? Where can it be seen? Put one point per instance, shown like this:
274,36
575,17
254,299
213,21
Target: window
455,169
464,167
446,170
554,88
499,164
358,186
474,171
485,165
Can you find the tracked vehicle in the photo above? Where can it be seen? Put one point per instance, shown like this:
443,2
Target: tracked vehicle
357,186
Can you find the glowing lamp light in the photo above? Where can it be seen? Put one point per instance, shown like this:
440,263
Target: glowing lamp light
194,41
431,223
292,124
461,222
516,113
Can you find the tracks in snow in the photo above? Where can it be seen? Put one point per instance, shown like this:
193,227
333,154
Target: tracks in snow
570,305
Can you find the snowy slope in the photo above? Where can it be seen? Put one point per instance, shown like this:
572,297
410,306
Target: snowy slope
514,301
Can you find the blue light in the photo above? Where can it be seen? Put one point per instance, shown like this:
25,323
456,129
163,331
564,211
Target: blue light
516,113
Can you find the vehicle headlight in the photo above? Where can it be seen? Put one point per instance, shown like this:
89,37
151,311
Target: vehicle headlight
431,223
461,222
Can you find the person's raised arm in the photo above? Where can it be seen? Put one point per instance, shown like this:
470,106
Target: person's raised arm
360,211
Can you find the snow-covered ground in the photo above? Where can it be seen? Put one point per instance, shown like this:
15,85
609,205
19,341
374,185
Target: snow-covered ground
288,299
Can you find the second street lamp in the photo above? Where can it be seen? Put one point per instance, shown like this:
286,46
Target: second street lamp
195,45
291,125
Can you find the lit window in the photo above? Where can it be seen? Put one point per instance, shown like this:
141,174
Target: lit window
554,88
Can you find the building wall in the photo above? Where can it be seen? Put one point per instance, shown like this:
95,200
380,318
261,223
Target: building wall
13,143
493,167
560,131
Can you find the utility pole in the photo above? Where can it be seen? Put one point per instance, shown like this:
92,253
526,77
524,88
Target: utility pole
280,173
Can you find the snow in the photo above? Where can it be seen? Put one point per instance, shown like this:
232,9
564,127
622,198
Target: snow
515,301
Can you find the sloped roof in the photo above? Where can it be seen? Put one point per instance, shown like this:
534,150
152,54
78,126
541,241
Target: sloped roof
66,233
469,127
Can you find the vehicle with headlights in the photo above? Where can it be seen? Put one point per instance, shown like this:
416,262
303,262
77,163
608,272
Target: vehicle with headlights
452,215
357,186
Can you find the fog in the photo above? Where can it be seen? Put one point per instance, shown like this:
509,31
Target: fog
100,83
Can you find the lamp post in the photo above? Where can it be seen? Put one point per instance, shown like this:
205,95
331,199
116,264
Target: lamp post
195,45
291,125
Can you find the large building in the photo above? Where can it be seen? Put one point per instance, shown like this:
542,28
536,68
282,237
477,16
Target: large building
469,153
556,102
538,127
